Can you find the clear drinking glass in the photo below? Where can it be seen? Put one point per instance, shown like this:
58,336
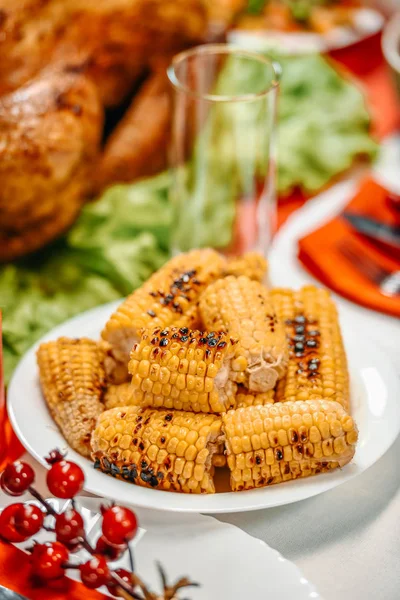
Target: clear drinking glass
222,151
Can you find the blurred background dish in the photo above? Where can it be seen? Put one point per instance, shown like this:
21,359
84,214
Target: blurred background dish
305,26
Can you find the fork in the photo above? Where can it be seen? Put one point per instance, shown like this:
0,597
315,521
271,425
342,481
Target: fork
387,281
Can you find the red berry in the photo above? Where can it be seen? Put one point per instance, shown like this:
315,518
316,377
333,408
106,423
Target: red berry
28,519
69,526
16,478
119,524
8,530
124,575
65,479
110,551
95,572
48,560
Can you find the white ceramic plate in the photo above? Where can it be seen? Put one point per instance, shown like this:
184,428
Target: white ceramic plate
227,562
367,22
375,394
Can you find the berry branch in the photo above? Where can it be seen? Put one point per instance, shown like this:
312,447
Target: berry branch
65,479
49,509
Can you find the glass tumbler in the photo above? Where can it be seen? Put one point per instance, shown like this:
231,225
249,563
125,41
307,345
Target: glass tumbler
222,153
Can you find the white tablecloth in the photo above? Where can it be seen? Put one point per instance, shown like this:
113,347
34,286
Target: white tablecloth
346,541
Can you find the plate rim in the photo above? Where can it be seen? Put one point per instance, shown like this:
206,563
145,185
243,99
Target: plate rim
185,503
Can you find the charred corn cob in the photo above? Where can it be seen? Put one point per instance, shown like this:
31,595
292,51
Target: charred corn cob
245,398
169,297
118,395
167,450
73,381
317,361
278,442
251,264
183,369
243,308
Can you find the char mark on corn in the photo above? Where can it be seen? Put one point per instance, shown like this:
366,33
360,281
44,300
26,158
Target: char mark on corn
243,307
169,297
287,440
317,367
72,378
161,449
181,369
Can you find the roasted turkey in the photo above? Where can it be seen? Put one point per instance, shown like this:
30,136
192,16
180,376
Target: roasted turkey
138,145
63,62
50,132
116,40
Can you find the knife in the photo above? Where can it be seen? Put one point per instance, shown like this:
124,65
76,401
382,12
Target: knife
380,232
6,594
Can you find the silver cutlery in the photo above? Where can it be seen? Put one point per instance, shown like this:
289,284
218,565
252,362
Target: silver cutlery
375,230
387,281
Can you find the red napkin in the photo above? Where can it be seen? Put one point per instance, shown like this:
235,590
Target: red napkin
320,254
15,574
10,447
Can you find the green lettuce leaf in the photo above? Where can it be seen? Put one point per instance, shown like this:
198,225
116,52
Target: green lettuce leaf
115,245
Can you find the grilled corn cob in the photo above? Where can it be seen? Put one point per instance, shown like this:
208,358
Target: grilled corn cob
317,361
169,297
251,264
245,398
243,308
73,380
167,450
278,442
183,369
118,395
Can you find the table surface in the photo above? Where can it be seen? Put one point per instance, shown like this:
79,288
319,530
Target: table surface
347,540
